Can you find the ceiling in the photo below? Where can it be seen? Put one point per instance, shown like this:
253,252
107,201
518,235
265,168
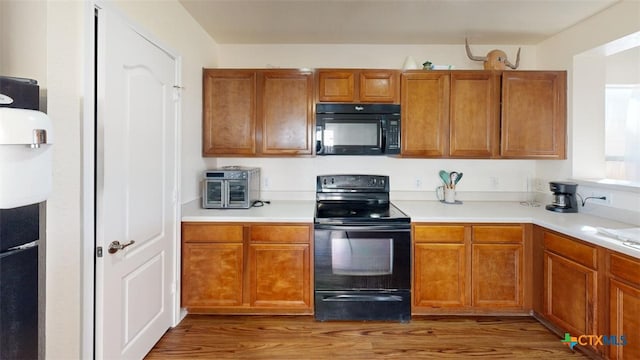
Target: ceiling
523,22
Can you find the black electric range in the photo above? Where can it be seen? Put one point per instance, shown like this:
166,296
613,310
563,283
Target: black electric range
362,251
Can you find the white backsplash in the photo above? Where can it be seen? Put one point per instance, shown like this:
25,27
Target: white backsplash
295,178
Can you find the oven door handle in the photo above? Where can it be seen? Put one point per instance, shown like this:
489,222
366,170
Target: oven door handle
345,298
395,227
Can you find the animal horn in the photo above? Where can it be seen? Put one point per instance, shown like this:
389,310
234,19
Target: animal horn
509,64
476,58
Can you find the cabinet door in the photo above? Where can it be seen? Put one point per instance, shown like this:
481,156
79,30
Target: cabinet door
624,320
212,274
533,114
229,112
474,117
497,275
570,294
439,275
425,114
336,86
379,86
286,112
279,276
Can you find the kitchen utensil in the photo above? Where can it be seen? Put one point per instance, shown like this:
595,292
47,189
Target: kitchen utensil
453,179
458,179
445,177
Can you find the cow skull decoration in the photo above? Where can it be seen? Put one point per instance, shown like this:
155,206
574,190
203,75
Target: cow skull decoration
495,59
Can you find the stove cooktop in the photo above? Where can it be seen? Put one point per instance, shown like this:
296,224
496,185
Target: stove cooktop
346,213
356,199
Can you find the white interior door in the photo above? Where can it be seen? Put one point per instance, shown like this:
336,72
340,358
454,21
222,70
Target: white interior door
136,177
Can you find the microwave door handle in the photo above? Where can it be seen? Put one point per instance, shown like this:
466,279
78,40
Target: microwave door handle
383,139
319,141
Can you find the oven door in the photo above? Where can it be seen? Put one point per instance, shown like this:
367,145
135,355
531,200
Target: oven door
349,135
238,193
214,194
368,257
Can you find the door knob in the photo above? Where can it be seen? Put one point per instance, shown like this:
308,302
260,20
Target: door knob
115,246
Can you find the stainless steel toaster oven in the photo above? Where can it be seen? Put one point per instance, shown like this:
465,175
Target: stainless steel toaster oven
230,187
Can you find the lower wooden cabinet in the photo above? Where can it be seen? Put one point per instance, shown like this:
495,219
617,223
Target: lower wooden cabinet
497,275
570,294
570,284
279,276
212,274
247,268
468,268
624,306
440,275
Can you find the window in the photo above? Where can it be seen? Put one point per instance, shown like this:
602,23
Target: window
622,132
606,114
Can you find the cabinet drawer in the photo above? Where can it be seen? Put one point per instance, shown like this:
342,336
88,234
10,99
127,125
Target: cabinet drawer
574,250
625,268
281,233
497,234
205,232
439,234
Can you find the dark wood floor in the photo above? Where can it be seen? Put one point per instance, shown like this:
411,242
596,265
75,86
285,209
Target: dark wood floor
301,337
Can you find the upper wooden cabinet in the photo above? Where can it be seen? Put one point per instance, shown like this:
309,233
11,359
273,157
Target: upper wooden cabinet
534,114
474,114
229,112
458,114
358,85
425,114
257,112
450,114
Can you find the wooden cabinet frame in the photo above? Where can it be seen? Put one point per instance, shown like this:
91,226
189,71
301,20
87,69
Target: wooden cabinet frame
248,268
470,268
358,85
257,112
484,114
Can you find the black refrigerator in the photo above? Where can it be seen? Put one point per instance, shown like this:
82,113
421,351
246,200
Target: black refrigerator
21,230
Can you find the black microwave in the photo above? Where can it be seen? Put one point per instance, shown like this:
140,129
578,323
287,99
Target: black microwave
357,129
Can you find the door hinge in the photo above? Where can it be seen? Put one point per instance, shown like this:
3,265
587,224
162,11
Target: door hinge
99,251
177,92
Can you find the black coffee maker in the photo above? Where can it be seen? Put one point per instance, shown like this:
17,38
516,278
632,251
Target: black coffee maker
564,197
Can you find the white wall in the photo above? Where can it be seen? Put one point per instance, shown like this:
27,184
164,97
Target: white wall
23,50
361,55
572,50
624,67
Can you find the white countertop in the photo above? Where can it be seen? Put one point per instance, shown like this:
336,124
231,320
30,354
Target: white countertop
577,225
580,226
277,211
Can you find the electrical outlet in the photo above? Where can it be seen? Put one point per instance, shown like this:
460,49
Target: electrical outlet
265,183
494,181
418,183
595,198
